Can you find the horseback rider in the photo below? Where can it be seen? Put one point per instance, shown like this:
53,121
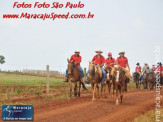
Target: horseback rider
110,61
123,62
100,61
160,70
144,68
138,68
76,58
153,68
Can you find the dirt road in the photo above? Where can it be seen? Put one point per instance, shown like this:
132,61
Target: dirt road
103,110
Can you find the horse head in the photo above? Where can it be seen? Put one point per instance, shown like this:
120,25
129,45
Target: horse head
91,67
70,66
119,73
108,72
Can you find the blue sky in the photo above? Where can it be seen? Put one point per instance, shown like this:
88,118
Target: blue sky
135,26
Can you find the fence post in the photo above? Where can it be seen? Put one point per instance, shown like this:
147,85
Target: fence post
85,79
47,79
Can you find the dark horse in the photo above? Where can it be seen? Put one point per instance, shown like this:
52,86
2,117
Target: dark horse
94,78
136,77
152,80
145,80
119,82
73,77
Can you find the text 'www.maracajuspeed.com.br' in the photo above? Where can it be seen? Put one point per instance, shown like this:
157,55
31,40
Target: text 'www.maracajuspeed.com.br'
45,16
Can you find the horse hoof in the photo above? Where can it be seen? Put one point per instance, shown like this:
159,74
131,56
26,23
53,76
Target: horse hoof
116,103
94,99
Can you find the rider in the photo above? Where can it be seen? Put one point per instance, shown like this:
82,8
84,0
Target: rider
123,62
100,60
160,68
76,58
138,68
110,61
144,68
147,70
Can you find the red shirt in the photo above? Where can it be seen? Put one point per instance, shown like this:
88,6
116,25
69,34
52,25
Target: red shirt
109,61
122,61
159,68
76,59
138,69
97,60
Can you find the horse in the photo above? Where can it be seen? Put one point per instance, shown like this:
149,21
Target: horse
145,80
152,80
74,77
94,78
119,82
108,81
136,77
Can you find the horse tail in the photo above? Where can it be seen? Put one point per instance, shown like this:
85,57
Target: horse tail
83,85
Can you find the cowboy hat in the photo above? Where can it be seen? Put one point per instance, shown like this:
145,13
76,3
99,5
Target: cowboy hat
99,51
145,64
121,52
77,51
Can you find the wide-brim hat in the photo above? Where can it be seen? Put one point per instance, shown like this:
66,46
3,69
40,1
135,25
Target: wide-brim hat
77,51
99,51
121,52
145,64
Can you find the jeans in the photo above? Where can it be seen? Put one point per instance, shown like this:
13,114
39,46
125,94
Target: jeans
80,69
103,75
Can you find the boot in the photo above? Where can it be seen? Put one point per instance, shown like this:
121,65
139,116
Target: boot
66,80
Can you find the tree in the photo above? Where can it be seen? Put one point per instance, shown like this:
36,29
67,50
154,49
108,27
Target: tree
2,59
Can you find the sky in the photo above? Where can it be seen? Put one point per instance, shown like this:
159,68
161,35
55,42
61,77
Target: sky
135,26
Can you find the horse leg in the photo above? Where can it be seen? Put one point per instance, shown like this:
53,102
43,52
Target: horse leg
109,89
102,88
97,93
117,95
93,97
79,88
113,89
94,92
75,89
70,85
121,95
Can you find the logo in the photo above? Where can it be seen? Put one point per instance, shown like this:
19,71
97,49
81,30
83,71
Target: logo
17,112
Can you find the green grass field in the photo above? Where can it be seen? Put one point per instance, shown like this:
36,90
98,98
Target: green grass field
25,80
33,86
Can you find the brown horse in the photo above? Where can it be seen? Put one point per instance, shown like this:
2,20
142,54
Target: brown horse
94,78
152,80
73,77
108,81
119,82
145,80
136,77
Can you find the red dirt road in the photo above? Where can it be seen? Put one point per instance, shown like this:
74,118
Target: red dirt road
103,110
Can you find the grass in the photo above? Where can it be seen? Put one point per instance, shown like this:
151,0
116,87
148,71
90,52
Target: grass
25,80
149,117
